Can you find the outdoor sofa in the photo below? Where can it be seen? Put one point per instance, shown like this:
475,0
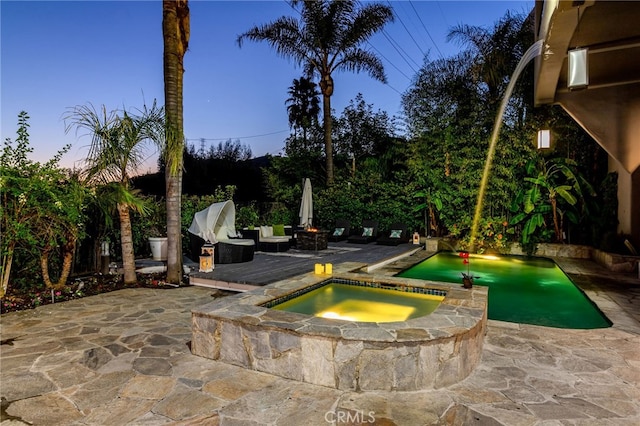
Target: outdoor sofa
270,238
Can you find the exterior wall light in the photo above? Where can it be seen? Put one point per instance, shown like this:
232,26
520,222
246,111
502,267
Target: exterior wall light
544,139
578,77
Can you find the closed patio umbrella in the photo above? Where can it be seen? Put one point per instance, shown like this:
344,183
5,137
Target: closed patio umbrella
306,205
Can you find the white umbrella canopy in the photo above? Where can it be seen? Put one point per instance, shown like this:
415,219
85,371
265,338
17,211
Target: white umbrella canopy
215,223
306,205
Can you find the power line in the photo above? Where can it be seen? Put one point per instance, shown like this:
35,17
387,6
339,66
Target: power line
444,18
400,51
425,28
236,137
415,30
406,29
386,59
393,88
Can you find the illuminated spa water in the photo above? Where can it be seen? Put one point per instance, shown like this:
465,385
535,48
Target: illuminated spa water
522,290
366,304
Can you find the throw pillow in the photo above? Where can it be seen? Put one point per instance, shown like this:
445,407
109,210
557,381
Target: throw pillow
266,231
338,232
278,231
396,233
367,232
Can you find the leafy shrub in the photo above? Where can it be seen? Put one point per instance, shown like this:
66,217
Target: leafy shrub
247,216
493,234
41,212
278,213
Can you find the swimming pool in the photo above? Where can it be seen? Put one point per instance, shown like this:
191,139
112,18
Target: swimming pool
368,302
521,290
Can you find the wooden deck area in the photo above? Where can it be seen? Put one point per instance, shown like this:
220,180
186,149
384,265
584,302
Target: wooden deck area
267,268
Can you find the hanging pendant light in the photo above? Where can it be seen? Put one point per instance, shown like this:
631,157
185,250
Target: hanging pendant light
578,63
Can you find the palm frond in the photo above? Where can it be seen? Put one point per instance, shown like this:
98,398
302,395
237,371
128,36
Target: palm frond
366,22
117,148
284,35
358,60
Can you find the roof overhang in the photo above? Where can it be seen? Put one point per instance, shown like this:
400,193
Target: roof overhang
609,107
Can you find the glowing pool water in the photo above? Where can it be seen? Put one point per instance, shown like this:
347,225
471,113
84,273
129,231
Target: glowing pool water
360,303
522,290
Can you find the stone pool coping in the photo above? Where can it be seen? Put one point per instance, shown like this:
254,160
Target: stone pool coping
432,351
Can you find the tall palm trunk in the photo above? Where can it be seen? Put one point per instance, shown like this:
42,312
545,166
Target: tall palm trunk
328,145
174,231
175,32
126,242
326,86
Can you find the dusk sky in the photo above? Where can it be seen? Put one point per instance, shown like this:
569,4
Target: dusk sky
56,55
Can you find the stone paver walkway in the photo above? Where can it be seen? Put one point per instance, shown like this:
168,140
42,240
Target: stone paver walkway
123,358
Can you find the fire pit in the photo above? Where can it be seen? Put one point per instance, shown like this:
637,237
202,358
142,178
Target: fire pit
312,239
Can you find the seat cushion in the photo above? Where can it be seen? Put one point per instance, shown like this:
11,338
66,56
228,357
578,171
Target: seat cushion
274,239
240,242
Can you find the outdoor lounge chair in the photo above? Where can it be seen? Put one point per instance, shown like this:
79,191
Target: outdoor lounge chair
232,250
340,231
367,234
396,235
216,224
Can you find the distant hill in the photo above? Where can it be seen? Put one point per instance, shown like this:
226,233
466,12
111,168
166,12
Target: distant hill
202,176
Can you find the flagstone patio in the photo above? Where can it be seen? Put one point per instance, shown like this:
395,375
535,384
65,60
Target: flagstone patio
124,358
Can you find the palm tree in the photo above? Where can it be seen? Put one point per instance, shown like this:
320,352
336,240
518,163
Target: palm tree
117,150
495,51
303,105
327,38
175,33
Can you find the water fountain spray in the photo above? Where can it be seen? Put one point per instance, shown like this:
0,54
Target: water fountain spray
532,52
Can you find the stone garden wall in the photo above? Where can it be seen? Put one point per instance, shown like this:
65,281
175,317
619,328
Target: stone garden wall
611,261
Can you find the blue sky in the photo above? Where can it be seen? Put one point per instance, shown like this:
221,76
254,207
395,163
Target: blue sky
56,55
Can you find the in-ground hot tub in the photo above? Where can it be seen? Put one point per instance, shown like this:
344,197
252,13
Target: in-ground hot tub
360,301
425,352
